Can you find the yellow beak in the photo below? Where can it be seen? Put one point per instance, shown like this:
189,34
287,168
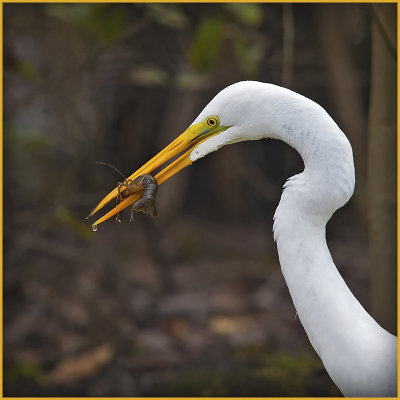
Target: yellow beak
188,140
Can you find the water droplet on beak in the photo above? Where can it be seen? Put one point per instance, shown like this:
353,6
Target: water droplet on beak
94,228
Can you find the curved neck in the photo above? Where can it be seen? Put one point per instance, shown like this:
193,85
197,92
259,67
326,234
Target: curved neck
347,339
340,330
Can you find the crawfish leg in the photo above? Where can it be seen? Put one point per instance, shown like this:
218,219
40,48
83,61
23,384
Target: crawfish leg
131,186
120,197
131,216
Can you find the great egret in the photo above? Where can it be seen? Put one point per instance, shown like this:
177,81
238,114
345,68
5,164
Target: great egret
358,354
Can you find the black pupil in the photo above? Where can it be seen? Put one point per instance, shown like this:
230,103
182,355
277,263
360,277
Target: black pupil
211,122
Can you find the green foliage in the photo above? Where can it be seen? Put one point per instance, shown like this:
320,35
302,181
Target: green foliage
190,80
200,382
104,22
296,370
204,50
170,16
248,55
27,372
254,371
248,47
16,139
27,70
72,223
27,154
148,75
283,376
247,13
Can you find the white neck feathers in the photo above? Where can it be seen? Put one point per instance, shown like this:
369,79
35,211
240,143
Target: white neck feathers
358,354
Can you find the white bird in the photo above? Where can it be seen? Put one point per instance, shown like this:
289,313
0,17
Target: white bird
358,354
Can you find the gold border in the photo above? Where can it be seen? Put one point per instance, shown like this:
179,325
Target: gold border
202,1
1,204
1,180
398,204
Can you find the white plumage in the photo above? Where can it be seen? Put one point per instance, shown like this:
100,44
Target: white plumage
359,355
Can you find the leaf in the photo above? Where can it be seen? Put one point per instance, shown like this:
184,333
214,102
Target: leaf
75,13
247,13
81,366
281,368
28,372
105,22
170,15
74,224
27,70
204,50
247,54
191,80
17,138
148,75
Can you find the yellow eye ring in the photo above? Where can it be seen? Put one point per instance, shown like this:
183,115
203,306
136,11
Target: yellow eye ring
212,122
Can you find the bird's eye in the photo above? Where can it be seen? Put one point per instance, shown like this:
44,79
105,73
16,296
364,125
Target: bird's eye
212,121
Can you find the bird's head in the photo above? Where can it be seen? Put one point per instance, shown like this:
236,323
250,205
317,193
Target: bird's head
217,125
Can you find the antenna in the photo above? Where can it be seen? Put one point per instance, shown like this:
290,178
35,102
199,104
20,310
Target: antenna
112,166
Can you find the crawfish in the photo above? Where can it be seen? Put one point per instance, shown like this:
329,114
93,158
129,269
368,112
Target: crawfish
144,184
147,185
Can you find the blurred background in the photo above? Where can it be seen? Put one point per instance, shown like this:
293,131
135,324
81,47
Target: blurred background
192,303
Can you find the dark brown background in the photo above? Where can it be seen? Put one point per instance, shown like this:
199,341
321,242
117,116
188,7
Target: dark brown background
192,303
